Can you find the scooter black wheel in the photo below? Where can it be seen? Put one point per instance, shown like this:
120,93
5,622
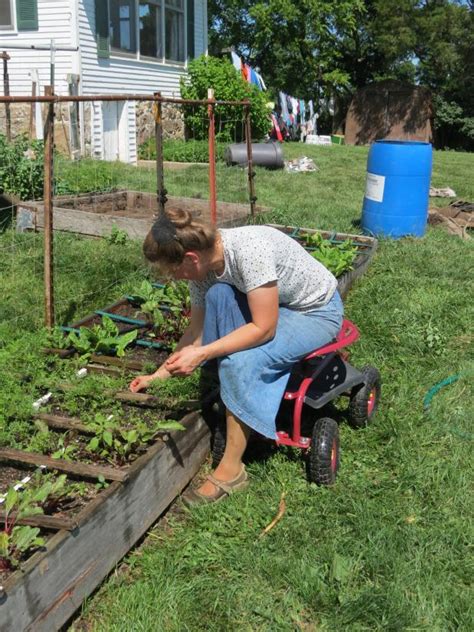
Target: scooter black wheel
323,460
364,400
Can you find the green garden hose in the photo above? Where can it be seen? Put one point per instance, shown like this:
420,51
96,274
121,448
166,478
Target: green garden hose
432,392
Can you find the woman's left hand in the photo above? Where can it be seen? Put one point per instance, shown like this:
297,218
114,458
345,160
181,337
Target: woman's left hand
185,361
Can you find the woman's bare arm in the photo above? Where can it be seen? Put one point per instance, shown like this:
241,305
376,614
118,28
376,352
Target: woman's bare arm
263,304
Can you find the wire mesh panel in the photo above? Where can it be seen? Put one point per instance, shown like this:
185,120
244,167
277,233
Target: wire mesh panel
107,179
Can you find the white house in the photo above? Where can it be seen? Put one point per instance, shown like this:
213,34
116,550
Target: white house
96,47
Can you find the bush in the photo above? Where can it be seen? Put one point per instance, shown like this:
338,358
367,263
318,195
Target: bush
21,168
181,150
228,85
453,128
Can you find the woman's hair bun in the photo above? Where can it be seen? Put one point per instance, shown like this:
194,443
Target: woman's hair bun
180,217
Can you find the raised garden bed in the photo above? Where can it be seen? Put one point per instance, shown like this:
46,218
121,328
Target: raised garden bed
83,547
94,214
365,246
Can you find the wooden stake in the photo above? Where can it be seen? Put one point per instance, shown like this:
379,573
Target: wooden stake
48,212
6,91
32,110
278,517
250,171
160,180
212,156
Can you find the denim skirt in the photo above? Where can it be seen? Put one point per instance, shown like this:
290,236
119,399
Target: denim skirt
253,381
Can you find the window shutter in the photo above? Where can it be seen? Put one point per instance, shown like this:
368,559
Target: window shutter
102,28
190,28
27,15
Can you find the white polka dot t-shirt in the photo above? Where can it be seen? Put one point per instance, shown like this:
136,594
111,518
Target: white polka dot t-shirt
256,255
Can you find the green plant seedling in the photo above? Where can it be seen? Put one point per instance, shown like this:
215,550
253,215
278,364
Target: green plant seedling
22,503
337,258
64,451
104,338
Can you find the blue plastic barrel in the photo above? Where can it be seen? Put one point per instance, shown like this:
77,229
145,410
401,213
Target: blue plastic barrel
397,189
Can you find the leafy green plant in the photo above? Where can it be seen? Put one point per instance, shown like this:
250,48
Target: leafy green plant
219,74
64,450
103,338
115,443
117,236
21,167
22,503
176,150
337,258
167,307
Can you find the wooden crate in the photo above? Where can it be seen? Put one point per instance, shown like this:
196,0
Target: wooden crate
53,583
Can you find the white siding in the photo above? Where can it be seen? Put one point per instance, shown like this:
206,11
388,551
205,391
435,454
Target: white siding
132,132
120,74
56,22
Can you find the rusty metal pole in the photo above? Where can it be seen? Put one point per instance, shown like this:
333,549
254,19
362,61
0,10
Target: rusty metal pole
212,156
160,178
48,212
250,171
6,91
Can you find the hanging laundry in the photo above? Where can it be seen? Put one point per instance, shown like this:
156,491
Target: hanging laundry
236,61
276,129
253,78
284,108
262,82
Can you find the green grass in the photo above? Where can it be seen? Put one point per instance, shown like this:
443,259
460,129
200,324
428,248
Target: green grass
388,547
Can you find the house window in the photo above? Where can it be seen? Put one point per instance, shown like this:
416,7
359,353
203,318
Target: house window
122,25
6,15
151,28
174,29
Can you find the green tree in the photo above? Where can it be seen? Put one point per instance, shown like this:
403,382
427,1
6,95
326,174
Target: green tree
314,47
294,44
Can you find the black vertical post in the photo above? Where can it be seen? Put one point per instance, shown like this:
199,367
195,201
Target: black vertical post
160,180
251,173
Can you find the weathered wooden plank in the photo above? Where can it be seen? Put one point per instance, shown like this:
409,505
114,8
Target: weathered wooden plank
83,470
135,365
103,368
100,224
64,423
93,224
53,584
55,523
62,353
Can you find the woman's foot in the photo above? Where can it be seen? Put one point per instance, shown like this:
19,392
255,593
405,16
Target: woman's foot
215,488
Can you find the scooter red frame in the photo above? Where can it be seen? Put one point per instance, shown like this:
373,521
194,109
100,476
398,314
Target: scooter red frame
323,363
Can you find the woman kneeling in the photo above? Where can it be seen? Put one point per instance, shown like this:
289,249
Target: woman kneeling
259,303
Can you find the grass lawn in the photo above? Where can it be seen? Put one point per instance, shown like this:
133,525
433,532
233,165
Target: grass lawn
388,547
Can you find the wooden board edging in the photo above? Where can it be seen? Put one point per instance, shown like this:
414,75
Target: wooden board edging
53,583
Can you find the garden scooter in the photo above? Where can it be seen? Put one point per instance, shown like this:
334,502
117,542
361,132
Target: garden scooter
317,379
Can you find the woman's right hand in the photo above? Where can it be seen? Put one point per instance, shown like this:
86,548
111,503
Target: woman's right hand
141,382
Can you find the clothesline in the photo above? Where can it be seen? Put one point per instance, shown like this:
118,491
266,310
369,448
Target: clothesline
248,73
290,116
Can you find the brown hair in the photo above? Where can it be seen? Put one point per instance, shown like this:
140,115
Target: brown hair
187,234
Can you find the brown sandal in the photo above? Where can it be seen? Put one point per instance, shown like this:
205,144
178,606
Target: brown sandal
223,489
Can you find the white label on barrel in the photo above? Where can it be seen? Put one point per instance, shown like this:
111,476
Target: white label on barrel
374,187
